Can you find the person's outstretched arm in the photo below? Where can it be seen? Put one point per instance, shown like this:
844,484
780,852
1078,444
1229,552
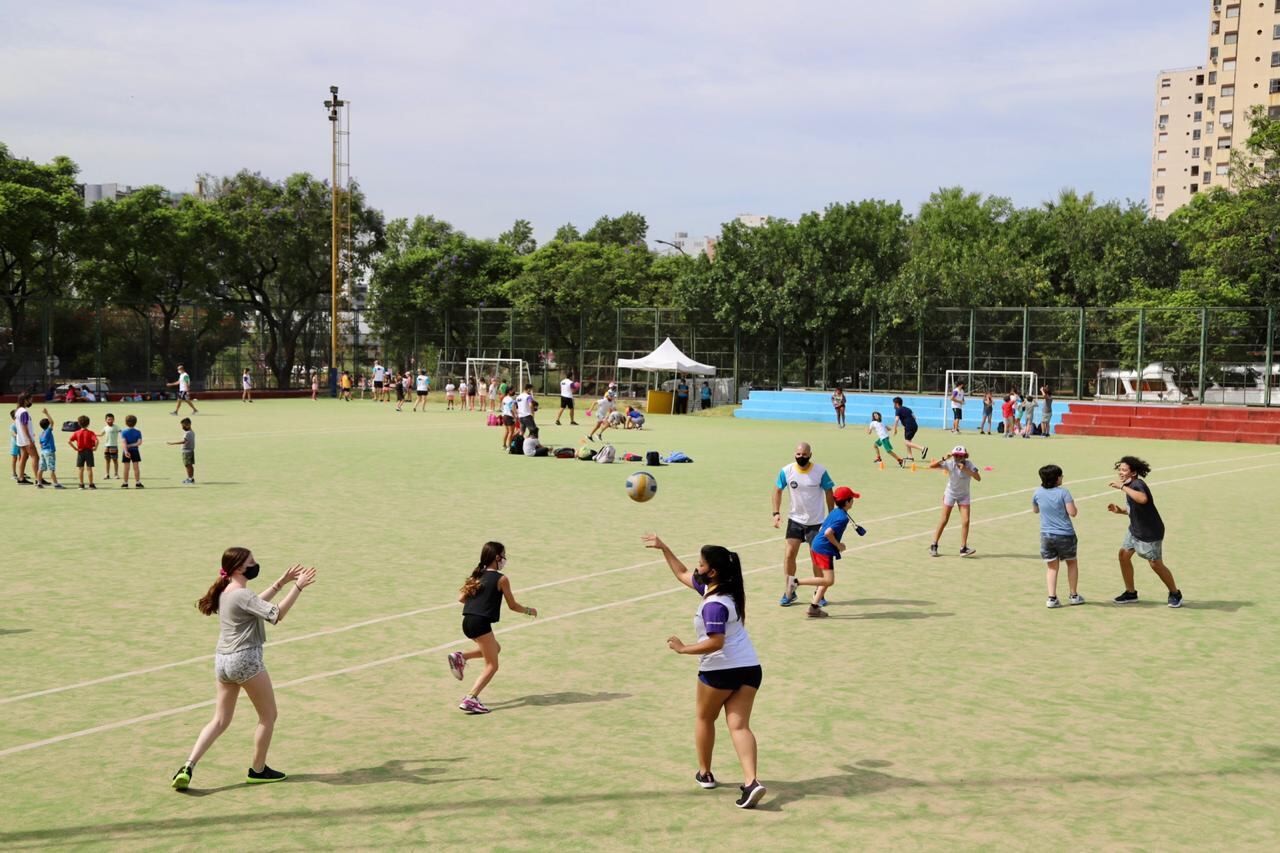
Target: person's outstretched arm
679,569
505,585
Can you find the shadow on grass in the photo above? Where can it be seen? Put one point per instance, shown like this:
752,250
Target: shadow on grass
402,771
4,631
892,614
548,700
881,602
865,778
1224,606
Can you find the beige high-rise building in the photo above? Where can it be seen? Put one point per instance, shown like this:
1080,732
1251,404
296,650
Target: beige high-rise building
1243,71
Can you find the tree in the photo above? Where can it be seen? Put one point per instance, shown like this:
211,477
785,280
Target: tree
520,238
567,233
39,210
276,261
629,229
156,258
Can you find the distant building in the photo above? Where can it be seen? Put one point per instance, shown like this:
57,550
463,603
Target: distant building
94,193
752,220
1205,110
682,242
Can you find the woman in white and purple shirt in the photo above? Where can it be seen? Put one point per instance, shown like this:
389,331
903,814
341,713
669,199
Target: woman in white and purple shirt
729,671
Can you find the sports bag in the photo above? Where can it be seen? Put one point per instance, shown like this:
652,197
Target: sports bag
517,446
677,456
653,459
606,455
586,454
566,453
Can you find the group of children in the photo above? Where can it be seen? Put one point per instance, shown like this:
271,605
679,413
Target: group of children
39,448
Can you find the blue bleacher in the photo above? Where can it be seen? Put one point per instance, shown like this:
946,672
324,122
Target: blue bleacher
816,406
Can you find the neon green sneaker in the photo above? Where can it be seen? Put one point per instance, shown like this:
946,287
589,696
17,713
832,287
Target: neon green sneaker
182,778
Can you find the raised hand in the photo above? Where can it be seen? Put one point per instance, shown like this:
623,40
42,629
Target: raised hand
651,540
306,577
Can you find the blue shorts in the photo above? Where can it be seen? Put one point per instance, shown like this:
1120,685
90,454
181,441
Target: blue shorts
13,449
732,679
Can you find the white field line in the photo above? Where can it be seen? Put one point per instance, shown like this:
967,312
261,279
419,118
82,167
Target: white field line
105,727
577,579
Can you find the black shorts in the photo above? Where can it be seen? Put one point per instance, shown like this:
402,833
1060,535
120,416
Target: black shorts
476,626
910,431
803,532
986,411
134,455
422,394
184,395
527,423
507,420
956,413
84,458
732,679
399,392
566,403
111,453
377,385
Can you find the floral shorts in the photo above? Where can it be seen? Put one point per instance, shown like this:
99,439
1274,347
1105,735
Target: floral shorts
239,667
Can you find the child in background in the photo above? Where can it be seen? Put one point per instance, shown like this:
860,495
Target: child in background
635,418
449,390
904,417
508,418
48,453
827,548
14,452
988,408
84,441
1056,508
346,386
957,406
111,451
838,403
882,438
1046,409
246,387
315,386
188,443
400,383
1006,412
960,470
1029,417
464,394
132,438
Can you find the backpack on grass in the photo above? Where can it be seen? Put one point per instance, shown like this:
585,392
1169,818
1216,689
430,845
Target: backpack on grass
606,455
653,459
517,446
586,454
566,453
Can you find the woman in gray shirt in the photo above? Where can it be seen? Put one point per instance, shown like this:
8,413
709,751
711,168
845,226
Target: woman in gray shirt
237,662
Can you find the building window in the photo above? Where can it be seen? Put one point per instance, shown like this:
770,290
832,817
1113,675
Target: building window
1159,208
1163,138
1224,142
1197,117
1208,178
1195,170
1222,169
1225,120
1166,83
1275,59
1231,38
1214,27
1195,136
1162,155
1195,188
1275,86
1229,64
1163,121
1233,11
1199,98
1229,91
1275,33
1212,101
1208,127
1195,153
1273,112
1213,55
1213,78
1164,102
1160,193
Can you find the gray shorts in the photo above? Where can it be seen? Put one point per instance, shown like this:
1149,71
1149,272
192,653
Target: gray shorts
1150,551
1057,547
239,667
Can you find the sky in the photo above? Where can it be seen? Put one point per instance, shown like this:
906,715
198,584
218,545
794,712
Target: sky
561,111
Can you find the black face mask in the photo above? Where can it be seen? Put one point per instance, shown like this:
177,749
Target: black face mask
703,578
251,572
802,461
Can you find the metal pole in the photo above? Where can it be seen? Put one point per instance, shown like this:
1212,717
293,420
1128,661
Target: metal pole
973,333
737,392
1026,337
1271,336
920,355
333,104
871,352
824,358
779,357
1142,334
97,347
582,347
1080,358
1204,349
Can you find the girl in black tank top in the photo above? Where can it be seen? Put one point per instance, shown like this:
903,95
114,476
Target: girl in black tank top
481,597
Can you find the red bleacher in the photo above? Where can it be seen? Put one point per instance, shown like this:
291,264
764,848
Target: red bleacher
1186,423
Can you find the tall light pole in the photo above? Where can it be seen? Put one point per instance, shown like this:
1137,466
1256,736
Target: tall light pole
333,104
678,248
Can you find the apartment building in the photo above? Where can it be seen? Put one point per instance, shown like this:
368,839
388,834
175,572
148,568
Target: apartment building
1242,71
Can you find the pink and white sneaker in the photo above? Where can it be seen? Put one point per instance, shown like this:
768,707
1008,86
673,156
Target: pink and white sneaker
472,705
457,663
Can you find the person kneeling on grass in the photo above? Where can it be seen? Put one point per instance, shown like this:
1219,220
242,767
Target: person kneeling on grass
827,548
1056,508
481,597
729,672
1145,536
237,663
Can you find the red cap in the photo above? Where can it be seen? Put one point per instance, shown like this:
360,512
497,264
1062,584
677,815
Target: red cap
844,493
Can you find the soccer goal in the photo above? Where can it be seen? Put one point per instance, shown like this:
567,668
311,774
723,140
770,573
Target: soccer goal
979,382
514,370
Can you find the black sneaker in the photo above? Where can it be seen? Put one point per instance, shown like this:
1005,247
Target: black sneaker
924,455
92,486
124,485
966,551
901,463
933,550
816,612
1130,596
705,780
82,485
1175,598
137,485
751,795
267,775
182,778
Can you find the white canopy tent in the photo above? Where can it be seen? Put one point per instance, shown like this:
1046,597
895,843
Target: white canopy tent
667,357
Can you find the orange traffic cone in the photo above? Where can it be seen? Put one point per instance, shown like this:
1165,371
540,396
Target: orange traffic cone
881,464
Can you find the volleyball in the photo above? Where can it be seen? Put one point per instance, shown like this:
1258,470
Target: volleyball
641,486
577,386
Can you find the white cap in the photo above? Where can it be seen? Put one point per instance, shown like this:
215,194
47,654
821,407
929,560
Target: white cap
959,450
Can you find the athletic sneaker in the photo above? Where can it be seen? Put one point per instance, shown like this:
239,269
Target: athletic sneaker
1175,598
1126,597
58,486
816,612
124,485
182,778
82,485
786,601
472,705
966,551
822,602
933,550
1052,602
705,780
902,463
137,485
925,454
751,795
1076,598
457,663
267,775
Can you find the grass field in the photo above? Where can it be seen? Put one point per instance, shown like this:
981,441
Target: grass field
942,707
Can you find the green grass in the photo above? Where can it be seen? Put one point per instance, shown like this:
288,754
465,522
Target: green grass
942,707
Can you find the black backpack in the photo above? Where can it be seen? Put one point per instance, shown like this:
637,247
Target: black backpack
517,446
653,459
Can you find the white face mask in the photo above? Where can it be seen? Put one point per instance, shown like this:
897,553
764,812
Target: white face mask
502,563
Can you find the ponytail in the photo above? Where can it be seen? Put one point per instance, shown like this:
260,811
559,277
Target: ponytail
232,559
728,575
489,555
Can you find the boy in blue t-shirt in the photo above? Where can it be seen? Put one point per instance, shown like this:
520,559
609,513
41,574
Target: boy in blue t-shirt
14,453
131,438
1056,508
826,549
48,453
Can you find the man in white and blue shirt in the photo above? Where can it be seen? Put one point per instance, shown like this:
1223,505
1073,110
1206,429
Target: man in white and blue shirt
811,489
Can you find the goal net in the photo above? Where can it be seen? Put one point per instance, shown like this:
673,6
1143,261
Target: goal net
514,371
979,382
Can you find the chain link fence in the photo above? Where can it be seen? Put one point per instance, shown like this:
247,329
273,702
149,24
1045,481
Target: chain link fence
1208,355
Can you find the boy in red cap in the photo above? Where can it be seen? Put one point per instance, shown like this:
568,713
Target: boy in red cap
826,549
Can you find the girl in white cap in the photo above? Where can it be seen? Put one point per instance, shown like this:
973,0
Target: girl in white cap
960,470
